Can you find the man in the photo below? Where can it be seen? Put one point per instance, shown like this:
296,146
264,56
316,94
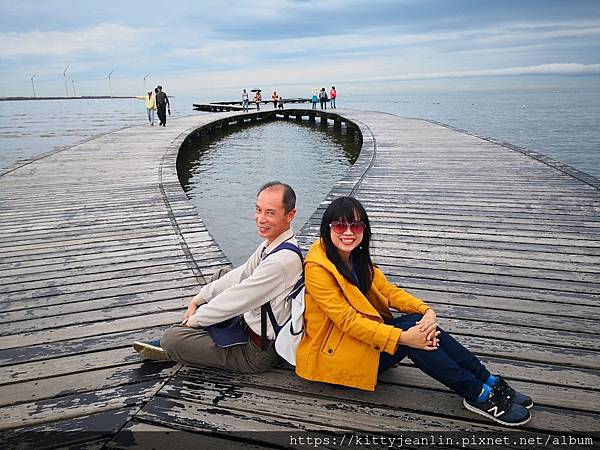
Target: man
162,103
266,277
245,99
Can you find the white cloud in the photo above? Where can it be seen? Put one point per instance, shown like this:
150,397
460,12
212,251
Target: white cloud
542,69
103,37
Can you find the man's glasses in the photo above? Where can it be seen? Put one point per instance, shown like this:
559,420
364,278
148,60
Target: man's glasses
340,227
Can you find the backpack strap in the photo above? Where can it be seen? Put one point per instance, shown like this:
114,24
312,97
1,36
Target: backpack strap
266,310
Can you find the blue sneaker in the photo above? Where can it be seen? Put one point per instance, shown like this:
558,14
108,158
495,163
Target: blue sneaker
516,397
151,350
499,408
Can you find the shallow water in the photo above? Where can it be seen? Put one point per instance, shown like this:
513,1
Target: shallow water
221,174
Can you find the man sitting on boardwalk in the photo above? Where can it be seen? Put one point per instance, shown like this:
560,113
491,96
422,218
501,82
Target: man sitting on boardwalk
268,276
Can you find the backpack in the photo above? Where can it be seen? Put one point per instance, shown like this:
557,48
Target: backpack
289,334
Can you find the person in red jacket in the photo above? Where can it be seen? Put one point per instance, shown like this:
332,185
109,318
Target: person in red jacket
332,96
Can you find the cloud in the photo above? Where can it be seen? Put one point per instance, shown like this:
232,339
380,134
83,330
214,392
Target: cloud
568,69
104,37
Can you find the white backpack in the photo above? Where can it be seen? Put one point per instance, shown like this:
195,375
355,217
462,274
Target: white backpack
290,333
292,330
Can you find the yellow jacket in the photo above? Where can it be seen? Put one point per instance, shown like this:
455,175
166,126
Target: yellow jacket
344,333
150,101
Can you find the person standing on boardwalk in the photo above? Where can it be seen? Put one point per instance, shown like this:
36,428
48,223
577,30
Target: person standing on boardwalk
280,102
266,278
257,100
314,99
150,101
351,335
333,96
323,98
162,103
275,99
245,100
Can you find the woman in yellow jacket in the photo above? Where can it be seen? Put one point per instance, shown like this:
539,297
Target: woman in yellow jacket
351,334
150,101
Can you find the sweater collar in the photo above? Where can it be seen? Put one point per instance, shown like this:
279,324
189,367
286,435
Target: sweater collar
286,235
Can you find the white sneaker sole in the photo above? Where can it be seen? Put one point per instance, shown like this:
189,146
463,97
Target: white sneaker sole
495,419
148,351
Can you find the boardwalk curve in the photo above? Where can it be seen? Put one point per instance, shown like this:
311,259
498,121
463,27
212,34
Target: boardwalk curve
99,245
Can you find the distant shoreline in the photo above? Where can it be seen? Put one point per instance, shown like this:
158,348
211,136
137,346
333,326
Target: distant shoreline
83,97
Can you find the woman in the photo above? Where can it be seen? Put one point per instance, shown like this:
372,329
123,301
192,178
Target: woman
258,99
314,99
351,335
150,102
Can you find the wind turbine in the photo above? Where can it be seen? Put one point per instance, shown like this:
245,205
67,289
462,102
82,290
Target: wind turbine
73,82
32,85
65,76
110,82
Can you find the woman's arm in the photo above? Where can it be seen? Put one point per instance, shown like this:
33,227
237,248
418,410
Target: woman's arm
327,293
398,298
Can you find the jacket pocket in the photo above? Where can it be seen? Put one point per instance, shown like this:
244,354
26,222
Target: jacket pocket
332,342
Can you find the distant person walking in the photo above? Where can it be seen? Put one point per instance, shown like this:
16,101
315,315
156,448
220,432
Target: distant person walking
332,96
314,99
150,101
245,100
323,98
258,99
162,103
275,99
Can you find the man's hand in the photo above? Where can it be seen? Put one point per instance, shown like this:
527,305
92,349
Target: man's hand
190,311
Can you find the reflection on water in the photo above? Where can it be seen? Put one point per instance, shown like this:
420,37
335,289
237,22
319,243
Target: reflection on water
221,174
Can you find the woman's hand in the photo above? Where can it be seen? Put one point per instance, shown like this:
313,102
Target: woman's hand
422,339
426,322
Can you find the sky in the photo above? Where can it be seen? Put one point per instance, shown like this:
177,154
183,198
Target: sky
211,48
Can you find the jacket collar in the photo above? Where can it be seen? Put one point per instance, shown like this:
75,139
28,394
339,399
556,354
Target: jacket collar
353,294
287,234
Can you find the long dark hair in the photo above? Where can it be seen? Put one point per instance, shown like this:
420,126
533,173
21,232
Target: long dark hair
347,209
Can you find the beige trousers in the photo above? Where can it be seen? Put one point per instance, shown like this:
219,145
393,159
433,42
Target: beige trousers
194,347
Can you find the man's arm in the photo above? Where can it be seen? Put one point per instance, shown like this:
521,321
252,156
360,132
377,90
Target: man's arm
268,281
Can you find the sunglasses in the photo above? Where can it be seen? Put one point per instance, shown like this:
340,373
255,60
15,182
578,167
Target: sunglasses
340,227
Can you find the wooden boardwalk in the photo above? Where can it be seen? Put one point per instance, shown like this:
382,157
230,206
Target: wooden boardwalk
99,246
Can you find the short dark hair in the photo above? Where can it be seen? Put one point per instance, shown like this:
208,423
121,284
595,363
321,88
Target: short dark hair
289,196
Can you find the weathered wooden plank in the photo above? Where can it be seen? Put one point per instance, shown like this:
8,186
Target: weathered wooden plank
67,364
146,292
72,406
78,346
85,432
82,382
498,290
85,330
143,436
136,310
98,286
361,410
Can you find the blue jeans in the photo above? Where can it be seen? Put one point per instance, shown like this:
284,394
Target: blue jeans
451,364
245,105
151,116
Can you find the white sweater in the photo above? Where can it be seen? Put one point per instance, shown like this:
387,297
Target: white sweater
245,289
